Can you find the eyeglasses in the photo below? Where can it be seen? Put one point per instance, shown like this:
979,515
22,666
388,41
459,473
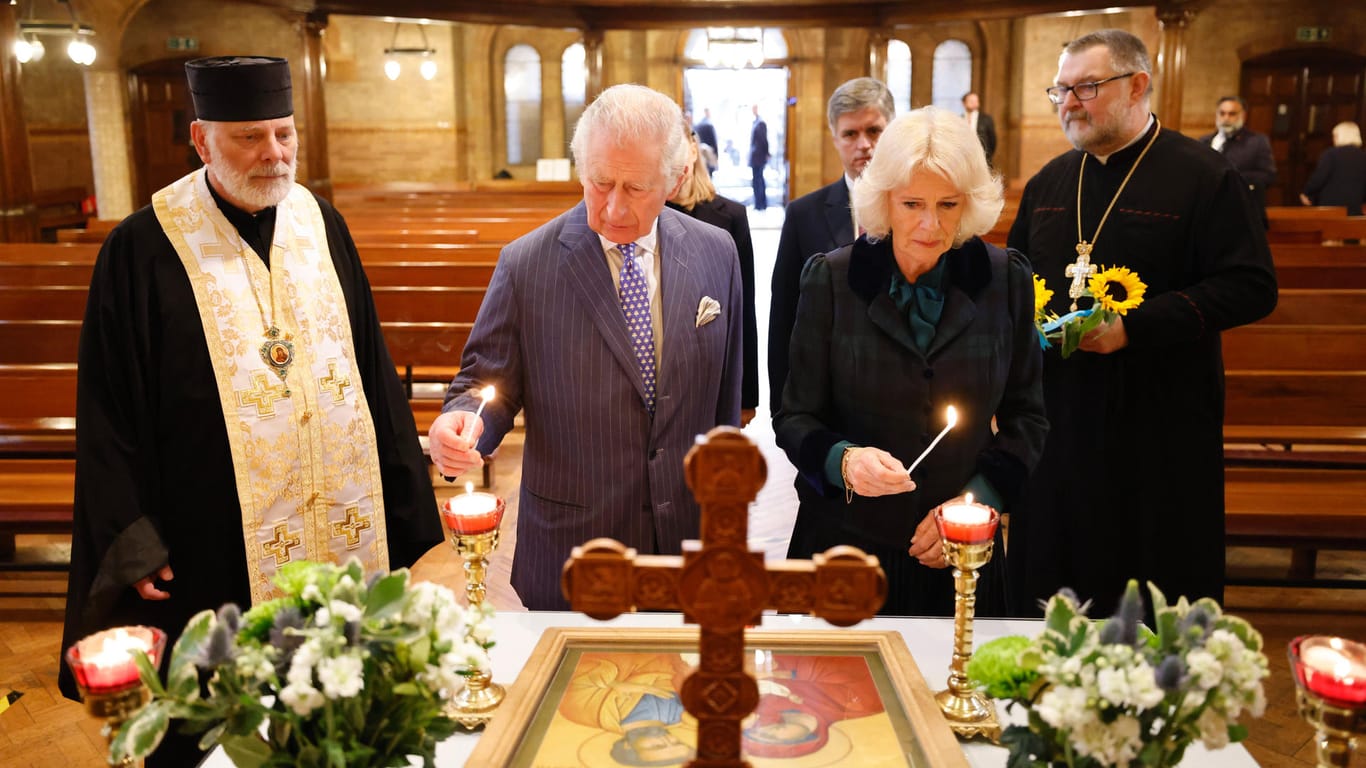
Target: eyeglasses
1083,91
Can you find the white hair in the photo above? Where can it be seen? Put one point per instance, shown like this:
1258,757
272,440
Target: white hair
935,140
631,113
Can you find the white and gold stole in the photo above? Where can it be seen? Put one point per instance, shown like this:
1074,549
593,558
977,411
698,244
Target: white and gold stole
303,443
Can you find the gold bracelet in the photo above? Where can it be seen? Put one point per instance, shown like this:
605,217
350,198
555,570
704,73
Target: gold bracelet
844,474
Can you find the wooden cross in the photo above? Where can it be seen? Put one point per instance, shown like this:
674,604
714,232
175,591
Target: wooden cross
723,586
1079,271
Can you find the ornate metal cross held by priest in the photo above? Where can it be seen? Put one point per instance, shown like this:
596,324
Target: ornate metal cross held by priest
722,585
1080,270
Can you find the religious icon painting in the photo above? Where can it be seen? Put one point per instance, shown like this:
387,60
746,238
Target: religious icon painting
607,698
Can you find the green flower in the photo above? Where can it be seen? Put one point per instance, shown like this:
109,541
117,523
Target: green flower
996,667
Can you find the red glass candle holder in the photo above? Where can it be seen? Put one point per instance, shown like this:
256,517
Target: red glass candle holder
473,513
1330,667
967,522
103,662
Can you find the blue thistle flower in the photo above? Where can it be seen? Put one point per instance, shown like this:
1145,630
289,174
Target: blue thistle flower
1170,673
230,616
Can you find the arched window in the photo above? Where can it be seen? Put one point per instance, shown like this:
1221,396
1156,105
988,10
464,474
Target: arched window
573,85
522,92
899,74
952,74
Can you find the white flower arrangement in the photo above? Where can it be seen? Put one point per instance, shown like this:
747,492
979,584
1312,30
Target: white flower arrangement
1117,693
340,671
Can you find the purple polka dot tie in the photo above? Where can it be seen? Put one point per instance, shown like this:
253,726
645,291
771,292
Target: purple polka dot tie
635,307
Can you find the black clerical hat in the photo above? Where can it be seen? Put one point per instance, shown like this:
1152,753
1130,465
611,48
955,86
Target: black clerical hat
240,88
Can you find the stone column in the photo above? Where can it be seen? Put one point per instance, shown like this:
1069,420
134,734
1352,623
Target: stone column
877,53
106,116
553,142
18,213
319,178
1173,17
592,54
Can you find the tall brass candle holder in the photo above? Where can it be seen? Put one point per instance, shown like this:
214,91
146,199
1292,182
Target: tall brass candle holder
474,519
967,531
1330,681
107,675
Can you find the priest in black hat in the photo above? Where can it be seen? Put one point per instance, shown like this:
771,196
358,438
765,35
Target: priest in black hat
238,408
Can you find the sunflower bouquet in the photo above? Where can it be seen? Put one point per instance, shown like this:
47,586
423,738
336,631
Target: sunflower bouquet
1113,292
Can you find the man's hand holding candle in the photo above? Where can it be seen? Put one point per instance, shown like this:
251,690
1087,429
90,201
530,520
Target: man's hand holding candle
452,440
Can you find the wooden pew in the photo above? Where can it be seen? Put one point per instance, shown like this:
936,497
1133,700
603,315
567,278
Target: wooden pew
37,498
1319,306
1301,347
1304,509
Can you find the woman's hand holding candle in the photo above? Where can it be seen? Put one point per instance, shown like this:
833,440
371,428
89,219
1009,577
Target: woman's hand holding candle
925,544
874,472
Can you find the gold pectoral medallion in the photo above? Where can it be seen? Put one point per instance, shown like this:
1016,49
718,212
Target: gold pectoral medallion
278,353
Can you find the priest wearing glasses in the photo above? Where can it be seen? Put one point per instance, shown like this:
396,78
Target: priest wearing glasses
238,408
616,329
1130,484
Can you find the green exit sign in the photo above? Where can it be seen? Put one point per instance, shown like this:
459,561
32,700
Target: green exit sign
1311,34
182,43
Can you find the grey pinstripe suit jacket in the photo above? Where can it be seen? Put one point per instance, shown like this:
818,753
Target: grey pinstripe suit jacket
551,337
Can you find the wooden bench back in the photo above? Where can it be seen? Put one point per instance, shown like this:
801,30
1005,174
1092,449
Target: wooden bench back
1295,398
1267,346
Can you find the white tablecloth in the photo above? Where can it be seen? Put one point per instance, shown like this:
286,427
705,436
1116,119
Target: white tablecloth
929,640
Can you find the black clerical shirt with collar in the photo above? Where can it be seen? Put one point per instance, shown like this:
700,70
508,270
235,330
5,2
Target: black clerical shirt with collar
1131,480
257,229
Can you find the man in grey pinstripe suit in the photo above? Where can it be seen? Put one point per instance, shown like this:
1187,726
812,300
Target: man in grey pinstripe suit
608,421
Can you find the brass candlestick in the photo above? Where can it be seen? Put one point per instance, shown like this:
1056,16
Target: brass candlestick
969,712
111,688
1331,694
474,541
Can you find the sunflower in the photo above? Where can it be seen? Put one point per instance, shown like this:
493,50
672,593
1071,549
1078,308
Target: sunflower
1130,288
1042,295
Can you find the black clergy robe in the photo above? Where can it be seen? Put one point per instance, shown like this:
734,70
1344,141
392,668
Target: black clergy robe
1131,482
154,470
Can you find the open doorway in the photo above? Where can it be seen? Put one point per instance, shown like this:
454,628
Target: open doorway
729,97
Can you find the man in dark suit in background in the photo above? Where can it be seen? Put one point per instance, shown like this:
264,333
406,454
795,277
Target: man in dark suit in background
616,327
821,221
981,122
758,159
706,133
1247,151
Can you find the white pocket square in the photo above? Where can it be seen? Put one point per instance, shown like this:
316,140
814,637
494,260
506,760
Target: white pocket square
707,310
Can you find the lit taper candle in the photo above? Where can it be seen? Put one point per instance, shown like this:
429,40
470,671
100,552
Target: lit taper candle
951,416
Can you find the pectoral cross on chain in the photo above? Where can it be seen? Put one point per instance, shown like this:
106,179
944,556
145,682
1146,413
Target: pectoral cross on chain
1080,271
722,585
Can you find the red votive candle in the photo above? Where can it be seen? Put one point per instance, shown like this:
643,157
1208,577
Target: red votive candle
103,662
966,522
1331,667
472,513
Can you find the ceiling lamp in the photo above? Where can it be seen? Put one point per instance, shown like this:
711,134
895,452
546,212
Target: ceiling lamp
28,48
734,47
393,68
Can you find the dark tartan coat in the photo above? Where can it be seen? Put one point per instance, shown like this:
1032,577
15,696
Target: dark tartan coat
856,375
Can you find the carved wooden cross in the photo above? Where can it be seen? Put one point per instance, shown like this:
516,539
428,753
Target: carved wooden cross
722,585
1079,271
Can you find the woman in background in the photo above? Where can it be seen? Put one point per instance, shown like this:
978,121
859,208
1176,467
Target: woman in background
1340,176
697,197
